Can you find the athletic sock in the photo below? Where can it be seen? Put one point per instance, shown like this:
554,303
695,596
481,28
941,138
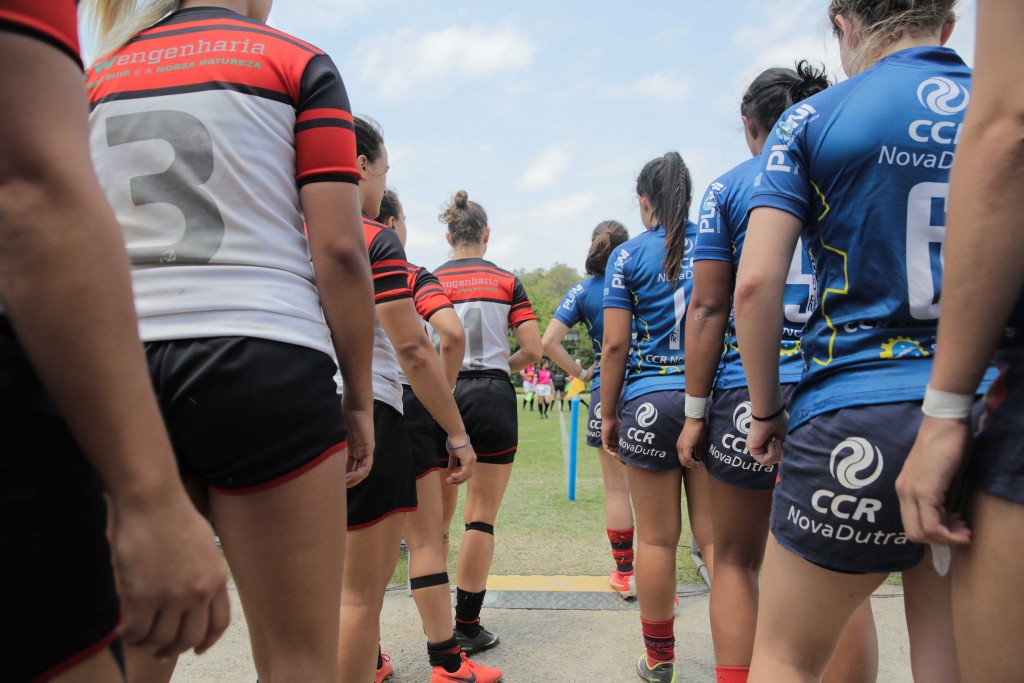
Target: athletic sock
467,611
731,674
622,548
380,658
447,654
660,640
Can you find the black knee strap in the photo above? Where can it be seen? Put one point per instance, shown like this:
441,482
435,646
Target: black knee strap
429,581
481,526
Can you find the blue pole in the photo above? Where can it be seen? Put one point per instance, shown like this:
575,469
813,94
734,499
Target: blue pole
574,435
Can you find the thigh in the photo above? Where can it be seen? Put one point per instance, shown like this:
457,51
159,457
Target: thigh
988,595
486,491
740,521
650,427
728,460
245,413
390,488
657,504
835,502
425,526
59,597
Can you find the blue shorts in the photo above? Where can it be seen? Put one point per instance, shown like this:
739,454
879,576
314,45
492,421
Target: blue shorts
835,502
594,418
728,460
998,465
649,430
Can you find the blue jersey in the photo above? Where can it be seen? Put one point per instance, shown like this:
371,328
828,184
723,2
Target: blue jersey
584,303
636,282
865,166
721,230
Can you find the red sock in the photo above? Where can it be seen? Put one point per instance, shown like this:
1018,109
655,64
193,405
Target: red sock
731,674
659,639
622,548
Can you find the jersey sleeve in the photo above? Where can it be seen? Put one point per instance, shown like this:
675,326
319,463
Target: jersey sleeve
569,311
389,267
616,288
784,182
325,140
428,294
714,237
521,310
52,21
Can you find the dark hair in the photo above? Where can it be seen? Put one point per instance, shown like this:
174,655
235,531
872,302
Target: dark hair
886,21
390,207
466,220
606,236
776,90
665,183
369,138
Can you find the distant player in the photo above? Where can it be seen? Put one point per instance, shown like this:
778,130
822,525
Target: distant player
834,178
584,303
490,301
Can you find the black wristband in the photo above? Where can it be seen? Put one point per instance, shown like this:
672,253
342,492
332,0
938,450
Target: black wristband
771,417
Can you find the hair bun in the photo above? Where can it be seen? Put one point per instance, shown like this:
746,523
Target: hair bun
461,199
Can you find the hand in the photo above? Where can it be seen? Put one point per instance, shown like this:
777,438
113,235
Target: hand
764,442
170,576
460,460
588,374
360,445
610,435
938,455
690,447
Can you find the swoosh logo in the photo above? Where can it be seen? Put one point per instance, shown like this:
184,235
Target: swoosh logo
470,679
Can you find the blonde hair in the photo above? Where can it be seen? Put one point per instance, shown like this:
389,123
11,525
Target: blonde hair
886,21
115,22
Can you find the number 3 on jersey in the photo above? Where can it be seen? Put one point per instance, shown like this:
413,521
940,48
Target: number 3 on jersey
179,184
926,234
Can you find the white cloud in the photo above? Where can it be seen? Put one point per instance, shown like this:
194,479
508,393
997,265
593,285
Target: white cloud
309,15
663,86
547,169
442,60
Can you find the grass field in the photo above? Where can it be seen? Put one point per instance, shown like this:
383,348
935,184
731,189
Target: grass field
538,530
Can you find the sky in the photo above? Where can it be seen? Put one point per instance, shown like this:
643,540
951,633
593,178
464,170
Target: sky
544,112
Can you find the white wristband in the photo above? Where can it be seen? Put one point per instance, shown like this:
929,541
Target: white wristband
695,406
946,405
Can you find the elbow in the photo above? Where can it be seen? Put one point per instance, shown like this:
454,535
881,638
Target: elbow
414,355
705,312
748,287
549,345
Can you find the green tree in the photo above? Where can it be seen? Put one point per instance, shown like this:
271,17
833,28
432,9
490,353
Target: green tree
546,287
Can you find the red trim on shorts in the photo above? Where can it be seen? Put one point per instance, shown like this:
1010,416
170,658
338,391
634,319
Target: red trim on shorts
285,477
493,455
80,657
380,519
432,469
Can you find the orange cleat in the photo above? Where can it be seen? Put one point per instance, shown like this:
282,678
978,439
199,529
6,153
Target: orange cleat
385,671
469,672
624,583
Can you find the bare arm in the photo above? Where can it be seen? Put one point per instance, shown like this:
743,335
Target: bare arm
65,285
772,236
706,321
984,227
618,329
426,376
448,325
554,350
338,250
530,346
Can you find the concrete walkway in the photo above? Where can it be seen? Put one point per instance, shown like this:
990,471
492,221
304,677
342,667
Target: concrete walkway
550,644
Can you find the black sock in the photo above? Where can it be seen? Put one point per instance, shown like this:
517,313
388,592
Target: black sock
467,611
380,659
447,654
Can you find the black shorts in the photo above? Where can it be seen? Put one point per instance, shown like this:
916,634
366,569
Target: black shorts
998,463
728,460
246,414
649,429
558,383
423,433
594,418
835,503
57,593
391,484
487,401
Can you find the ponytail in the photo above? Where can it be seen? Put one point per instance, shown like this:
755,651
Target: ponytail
606,236
776,90
665,183
115,22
